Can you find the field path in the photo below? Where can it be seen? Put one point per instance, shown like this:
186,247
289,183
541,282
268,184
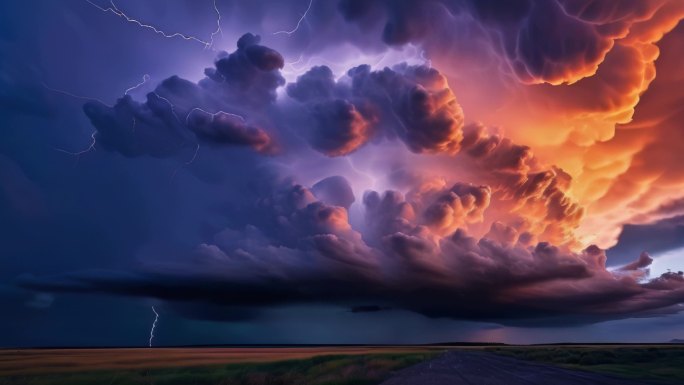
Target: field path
479,368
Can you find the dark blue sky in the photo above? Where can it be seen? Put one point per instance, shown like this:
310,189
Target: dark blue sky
334,172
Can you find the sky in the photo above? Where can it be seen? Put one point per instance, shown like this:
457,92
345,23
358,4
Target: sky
341,171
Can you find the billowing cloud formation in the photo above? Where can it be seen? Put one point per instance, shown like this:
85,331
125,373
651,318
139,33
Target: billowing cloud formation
303,250
458,205
414,103
340,128
243,81
335,191
428,117
136,129
225,128
644,260
663,235
541,41
570,78
474,221
248,75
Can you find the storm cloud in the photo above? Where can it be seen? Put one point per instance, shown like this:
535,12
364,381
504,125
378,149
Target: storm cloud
468,160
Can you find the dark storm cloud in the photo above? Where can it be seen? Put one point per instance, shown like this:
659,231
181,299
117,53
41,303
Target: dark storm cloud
340,128
368,309
413,103
541,41
318,83
176,115
248,75
300,250
644,261
134,129
487,280
223,128
512,167
335,191
387,213
284,243
456,206
278,242
428,117
663,235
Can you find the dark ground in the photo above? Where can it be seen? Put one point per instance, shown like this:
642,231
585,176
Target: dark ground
448,364
479,368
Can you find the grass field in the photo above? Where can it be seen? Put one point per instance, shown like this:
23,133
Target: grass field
197,366
653,363
307,365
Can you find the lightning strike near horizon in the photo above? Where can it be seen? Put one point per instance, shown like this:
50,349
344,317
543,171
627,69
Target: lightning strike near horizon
301,19
154,325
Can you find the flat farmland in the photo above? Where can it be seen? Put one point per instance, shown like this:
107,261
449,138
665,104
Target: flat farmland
345,365
38,361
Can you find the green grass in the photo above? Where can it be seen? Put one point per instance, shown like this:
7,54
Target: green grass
661,364
322,370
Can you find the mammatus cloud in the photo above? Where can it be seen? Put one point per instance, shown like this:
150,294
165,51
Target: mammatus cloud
479,228
555,42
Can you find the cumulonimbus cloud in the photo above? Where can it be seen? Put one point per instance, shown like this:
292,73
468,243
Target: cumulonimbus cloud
486,233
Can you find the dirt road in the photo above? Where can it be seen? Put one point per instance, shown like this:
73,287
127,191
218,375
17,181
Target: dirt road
479,368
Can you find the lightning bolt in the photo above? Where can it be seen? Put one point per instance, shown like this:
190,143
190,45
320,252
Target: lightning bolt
67,93
154,325
302,64
118,12
218,27
197,147
78,154
189,162
426,61
187,117
308,62
377,63
145,79
173,107
93,141
301,19
372,179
